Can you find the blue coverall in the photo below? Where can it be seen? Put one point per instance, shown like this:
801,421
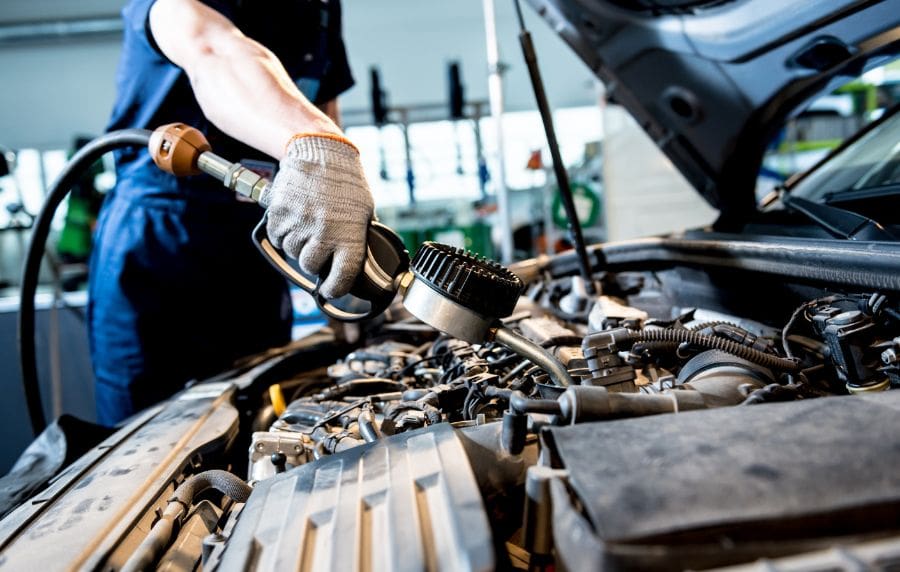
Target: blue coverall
177,289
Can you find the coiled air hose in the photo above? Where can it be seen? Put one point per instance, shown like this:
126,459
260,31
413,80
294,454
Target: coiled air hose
77,165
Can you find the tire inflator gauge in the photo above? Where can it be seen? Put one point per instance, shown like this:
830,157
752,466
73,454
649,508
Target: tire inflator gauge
182,150
454,291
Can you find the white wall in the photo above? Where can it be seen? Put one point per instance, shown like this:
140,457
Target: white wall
412,41
644,194
53,91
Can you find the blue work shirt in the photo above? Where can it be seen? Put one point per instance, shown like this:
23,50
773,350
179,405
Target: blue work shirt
177,289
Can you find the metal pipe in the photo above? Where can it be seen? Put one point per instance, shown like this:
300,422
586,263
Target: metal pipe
32,32
495,95
156,541
559,168
535,354
160,535
213,165
368,428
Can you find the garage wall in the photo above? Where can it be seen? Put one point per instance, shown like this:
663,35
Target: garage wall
646,197
54,90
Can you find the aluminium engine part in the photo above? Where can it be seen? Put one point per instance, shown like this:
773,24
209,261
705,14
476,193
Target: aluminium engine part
608,312
566,344
577,302
722,378
275,452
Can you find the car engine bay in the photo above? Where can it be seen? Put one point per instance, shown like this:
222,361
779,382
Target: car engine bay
721,398
680,417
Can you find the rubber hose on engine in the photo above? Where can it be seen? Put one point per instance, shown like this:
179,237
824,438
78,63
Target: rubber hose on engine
146,555
75,168
226,483
715,343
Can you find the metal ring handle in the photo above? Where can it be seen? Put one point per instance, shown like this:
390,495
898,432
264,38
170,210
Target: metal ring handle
278,259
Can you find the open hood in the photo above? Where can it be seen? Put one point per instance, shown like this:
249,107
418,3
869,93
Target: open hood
712,81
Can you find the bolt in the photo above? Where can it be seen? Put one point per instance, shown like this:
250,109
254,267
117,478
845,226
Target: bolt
889,356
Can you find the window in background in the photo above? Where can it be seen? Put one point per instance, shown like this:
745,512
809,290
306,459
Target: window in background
444,157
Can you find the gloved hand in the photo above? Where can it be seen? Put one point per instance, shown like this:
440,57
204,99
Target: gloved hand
319,208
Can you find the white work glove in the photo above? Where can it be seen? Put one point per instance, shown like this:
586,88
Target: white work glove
319,208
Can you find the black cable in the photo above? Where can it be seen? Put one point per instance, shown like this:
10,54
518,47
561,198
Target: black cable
562,177
785,345
83,159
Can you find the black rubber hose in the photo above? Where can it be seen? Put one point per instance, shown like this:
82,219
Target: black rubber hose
520,403
715,343
146,555
80,162
226,483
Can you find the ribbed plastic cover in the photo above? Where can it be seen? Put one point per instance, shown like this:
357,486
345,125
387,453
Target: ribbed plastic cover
407,502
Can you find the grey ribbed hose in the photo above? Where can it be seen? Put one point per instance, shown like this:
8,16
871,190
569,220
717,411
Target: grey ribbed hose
535,354
715,343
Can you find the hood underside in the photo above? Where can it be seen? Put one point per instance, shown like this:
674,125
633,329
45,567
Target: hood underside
712,82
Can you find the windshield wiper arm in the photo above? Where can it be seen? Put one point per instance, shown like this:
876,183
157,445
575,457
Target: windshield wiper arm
841,223
865,193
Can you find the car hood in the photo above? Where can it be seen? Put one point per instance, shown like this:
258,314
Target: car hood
712,82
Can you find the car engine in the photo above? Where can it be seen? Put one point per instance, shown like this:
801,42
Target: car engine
633,351
681,416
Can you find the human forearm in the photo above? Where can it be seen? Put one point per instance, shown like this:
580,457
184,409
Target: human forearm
240,85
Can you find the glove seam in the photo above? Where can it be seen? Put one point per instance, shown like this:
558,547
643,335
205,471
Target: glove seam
323,135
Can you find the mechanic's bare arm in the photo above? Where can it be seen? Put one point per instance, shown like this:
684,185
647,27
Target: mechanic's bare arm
240,85
319,205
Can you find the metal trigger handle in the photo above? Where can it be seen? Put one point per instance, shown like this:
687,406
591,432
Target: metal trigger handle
182,150
386,258
292,272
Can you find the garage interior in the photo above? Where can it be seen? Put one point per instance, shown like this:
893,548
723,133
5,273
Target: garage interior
467,172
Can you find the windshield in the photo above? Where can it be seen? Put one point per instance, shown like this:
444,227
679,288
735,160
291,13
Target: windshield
870,162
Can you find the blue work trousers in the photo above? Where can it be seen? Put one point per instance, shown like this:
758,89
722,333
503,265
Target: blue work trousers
178,292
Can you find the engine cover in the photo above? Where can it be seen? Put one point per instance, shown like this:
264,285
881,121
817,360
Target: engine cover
407,502
716,487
